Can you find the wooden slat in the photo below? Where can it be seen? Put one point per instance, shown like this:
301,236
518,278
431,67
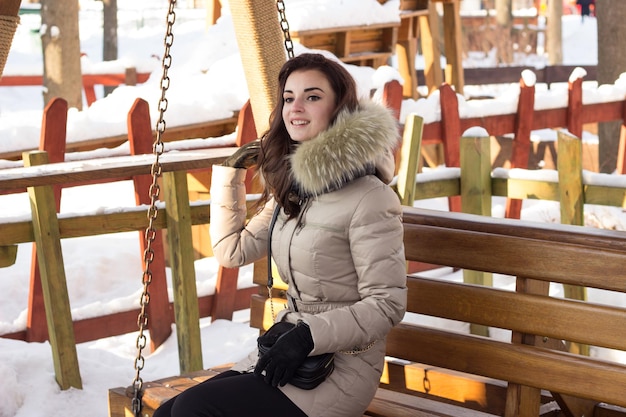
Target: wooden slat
536,367
427,381
113,168
595,324
472,251
388,403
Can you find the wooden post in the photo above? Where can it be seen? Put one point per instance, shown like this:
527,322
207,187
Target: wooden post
140,140
475,155
521,142
521,400
180,244
575,108
451,134
453,44
53,282
431,48
572,203
409,158
52,141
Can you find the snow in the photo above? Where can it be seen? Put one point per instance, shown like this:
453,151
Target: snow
104,272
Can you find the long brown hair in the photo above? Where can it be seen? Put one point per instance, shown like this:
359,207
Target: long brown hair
273,161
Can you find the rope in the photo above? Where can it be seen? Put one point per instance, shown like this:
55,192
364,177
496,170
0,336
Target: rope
8,26
259,37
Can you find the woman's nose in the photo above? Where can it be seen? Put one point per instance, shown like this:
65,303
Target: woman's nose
297,105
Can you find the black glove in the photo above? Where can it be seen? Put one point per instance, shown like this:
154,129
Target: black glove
245,156
289,351
273,333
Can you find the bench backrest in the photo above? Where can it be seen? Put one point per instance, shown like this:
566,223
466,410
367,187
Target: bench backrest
537,254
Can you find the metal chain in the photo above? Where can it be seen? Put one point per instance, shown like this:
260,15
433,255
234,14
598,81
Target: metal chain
284,25
150,233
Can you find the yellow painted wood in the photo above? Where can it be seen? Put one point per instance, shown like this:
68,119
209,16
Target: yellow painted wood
8,254
570,179
572,202
410,157
53,282
180,245
476,175
476,199
452,33
431,48
438,188
525,189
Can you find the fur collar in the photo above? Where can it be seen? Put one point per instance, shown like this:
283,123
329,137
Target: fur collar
348,149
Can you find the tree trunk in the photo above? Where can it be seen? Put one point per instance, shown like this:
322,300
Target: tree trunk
504,26
109,38
61,52
554,34
611,63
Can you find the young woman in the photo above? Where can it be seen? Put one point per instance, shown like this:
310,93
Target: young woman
326,161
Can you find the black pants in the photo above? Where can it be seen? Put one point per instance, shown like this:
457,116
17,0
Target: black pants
230,394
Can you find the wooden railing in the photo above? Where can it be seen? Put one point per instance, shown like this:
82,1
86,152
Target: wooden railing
129,77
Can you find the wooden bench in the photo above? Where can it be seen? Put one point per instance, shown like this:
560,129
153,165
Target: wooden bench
434,371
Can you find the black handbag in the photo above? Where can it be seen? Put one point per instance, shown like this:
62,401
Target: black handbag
315,369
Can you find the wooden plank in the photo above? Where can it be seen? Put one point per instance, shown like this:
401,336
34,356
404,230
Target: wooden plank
595,324
129,220
426,381
214,128
121,167
54,286
537,367
183,272
389,403
430,243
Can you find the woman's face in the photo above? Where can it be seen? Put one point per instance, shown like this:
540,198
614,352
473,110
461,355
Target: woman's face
308,104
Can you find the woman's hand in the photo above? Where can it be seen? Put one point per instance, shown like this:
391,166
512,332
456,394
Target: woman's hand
244,157
283,359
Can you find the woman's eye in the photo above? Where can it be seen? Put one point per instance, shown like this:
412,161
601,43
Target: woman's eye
313,98
287,99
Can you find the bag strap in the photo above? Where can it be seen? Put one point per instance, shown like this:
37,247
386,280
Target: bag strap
270,278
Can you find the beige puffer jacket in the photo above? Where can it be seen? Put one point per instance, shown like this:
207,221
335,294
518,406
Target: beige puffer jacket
343,258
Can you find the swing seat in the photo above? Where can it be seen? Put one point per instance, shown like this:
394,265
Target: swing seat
386,403
157,392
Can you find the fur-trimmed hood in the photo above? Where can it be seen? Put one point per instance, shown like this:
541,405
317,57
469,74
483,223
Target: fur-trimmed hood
351,147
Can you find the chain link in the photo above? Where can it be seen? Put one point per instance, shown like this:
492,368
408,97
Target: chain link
284,25
150,233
